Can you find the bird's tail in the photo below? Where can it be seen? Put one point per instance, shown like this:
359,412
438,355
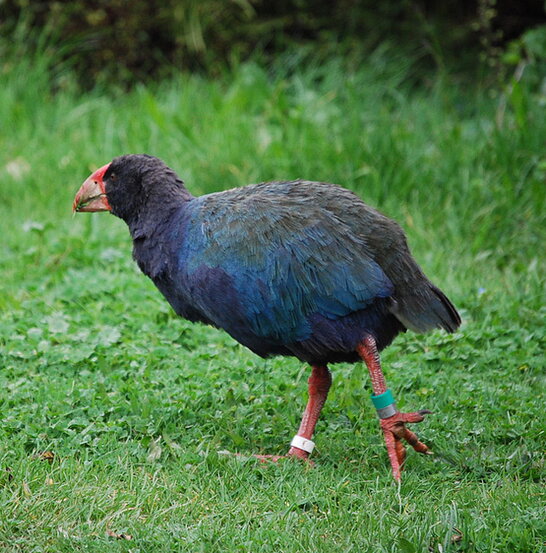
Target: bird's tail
425,308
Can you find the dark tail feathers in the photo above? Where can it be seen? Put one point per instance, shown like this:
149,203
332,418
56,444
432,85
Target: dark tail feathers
426,308
447,314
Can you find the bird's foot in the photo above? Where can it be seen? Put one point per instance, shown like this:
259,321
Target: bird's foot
394,430
293,453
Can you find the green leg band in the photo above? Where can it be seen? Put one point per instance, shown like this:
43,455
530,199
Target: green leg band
385,405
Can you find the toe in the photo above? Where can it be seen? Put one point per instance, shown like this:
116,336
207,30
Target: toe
414,441
400,452
418,416
393,452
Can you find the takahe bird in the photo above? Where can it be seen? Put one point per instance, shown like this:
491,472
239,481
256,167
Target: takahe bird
296,268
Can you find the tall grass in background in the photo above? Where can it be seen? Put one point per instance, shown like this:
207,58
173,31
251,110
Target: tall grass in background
470,194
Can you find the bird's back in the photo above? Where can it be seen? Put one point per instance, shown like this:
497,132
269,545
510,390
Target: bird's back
298,268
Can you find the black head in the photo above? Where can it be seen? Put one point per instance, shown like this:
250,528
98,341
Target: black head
129,180
130,187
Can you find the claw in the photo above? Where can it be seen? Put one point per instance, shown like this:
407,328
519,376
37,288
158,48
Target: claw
395,431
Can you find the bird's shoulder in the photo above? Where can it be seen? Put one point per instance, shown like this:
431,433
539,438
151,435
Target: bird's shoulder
286,205
255,221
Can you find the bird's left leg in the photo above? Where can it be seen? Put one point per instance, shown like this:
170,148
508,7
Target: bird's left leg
393,423
302,445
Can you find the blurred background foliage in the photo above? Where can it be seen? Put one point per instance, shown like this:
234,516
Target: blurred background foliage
121,42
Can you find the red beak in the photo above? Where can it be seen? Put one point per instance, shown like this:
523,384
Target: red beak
92,195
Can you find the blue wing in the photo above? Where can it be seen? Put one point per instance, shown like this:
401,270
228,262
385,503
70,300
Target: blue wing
262,264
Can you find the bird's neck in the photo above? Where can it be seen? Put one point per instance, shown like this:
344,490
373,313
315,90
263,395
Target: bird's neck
156,214
156,235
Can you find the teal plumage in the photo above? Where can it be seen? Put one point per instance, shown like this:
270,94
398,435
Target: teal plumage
288,259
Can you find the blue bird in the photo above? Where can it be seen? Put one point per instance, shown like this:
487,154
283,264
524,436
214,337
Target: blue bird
298,268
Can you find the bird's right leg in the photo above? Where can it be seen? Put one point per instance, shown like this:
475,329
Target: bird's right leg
302,445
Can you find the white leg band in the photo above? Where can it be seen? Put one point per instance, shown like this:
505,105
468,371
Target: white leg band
302,443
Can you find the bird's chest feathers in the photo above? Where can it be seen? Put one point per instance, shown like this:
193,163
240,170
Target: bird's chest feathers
152,256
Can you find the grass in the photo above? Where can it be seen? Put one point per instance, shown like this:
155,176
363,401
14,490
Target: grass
115,413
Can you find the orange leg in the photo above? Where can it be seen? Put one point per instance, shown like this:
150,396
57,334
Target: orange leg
394,426
319,384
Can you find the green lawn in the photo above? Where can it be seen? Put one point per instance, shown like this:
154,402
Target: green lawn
137,406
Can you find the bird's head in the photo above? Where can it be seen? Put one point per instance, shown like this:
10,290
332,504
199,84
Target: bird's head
127,184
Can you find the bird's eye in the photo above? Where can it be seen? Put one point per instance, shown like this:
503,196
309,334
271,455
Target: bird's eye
113,176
